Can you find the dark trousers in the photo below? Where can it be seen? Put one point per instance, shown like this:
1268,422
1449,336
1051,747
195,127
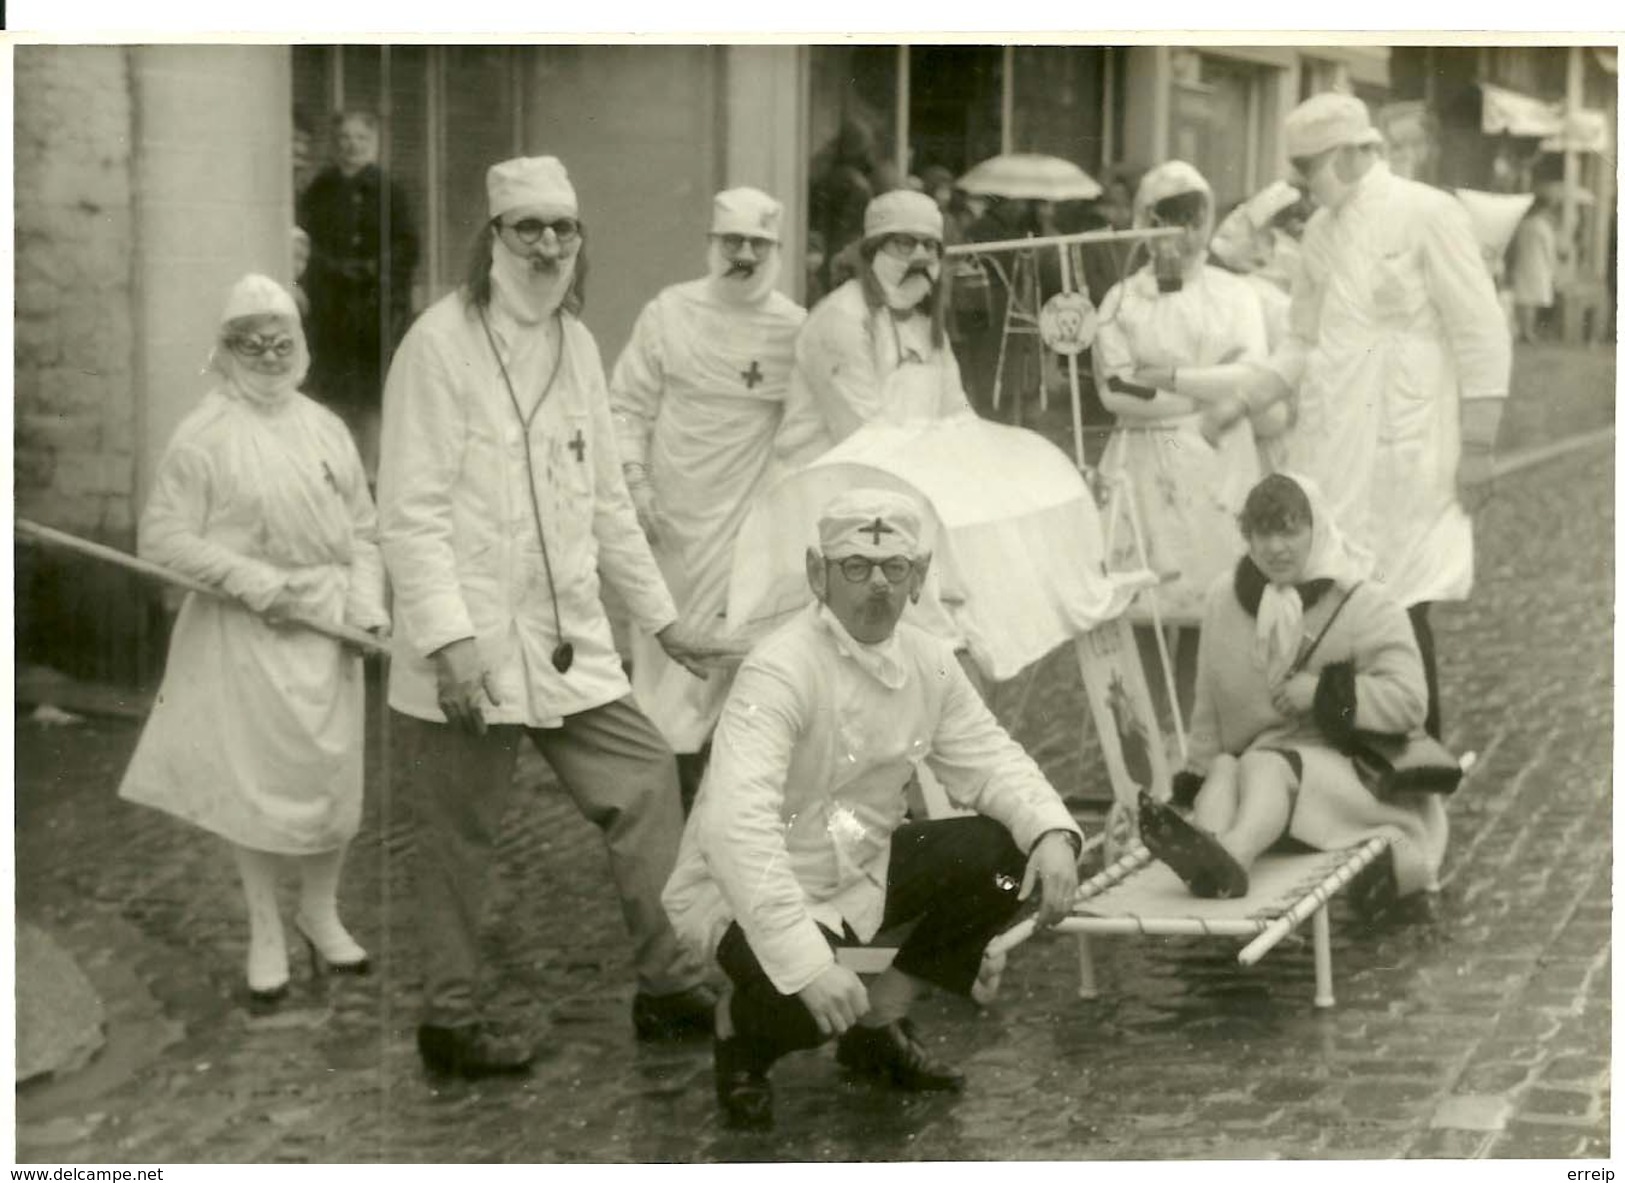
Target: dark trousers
957,879
1430,666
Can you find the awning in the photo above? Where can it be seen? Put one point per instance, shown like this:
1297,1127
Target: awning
1583,131
1510,113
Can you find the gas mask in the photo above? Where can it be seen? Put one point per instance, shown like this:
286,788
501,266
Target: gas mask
1173,256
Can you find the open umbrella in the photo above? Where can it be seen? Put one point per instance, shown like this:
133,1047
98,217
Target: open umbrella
1030,176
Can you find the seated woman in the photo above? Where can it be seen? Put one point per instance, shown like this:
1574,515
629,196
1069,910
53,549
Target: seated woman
1295,654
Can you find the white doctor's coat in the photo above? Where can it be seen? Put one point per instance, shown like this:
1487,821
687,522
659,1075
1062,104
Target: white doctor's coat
1394,322
457,527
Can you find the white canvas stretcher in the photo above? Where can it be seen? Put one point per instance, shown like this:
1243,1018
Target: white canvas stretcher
1136,895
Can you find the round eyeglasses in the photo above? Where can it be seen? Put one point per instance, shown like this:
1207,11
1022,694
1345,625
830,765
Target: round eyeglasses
904,245
734,243
1305,166
857,569
530,230
256,346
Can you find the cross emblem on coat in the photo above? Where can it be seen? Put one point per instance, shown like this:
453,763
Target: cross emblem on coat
876,528
578,446
753,376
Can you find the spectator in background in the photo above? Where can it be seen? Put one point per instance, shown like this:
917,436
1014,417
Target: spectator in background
300,249
303,159
359,281
843,180
1536,254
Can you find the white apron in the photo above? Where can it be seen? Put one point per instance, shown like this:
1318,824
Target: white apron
1186,492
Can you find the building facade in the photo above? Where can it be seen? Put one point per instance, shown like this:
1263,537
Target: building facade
150,177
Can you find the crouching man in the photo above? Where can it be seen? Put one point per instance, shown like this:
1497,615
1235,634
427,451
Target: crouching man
798,847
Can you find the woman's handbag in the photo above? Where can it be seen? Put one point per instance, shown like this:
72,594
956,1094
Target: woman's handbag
1389,763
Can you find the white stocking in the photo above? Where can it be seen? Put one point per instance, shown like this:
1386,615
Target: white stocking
318,907
267,952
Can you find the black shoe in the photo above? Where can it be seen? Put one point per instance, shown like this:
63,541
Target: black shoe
743,1090
265,1002
472,1051
1196,856
892,1052
672,1016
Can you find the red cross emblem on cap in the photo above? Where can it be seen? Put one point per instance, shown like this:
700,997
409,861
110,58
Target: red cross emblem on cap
876,528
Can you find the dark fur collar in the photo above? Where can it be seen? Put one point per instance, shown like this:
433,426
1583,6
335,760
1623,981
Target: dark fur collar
1250,584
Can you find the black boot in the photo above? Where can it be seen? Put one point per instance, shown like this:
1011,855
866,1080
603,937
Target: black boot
673,1016
473,1050
743,1091
892,1053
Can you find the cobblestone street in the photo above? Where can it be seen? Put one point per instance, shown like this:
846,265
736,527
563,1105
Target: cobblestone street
1481,1030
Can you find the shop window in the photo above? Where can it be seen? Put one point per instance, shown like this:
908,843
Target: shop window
1217,113
477,127
955,102
1058,103
852,123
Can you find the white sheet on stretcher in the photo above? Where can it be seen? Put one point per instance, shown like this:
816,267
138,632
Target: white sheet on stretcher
1018,563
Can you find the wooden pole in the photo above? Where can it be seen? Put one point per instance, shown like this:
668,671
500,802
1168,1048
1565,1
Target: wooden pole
47,536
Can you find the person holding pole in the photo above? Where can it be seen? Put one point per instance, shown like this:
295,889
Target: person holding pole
256,733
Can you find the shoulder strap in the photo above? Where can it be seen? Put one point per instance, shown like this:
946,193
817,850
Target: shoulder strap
1309,650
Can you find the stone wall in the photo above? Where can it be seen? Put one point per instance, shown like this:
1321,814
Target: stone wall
75,438
76,432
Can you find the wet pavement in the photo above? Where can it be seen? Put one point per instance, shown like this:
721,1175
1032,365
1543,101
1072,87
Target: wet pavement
1481,1030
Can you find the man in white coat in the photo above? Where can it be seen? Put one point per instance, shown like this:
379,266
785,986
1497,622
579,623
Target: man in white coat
876,347
798,847
1401,360
697,396
501,499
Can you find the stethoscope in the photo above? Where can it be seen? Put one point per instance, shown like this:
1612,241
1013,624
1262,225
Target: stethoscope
564,654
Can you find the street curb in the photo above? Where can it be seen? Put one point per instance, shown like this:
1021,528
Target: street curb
1529,457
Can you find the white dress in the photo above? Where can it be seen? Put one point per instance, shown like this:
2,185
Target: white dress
1186,492
256,734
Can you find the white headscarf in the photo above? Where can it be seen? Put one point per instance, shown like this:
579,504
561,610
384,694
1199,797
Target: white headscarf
259,295
1279,630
